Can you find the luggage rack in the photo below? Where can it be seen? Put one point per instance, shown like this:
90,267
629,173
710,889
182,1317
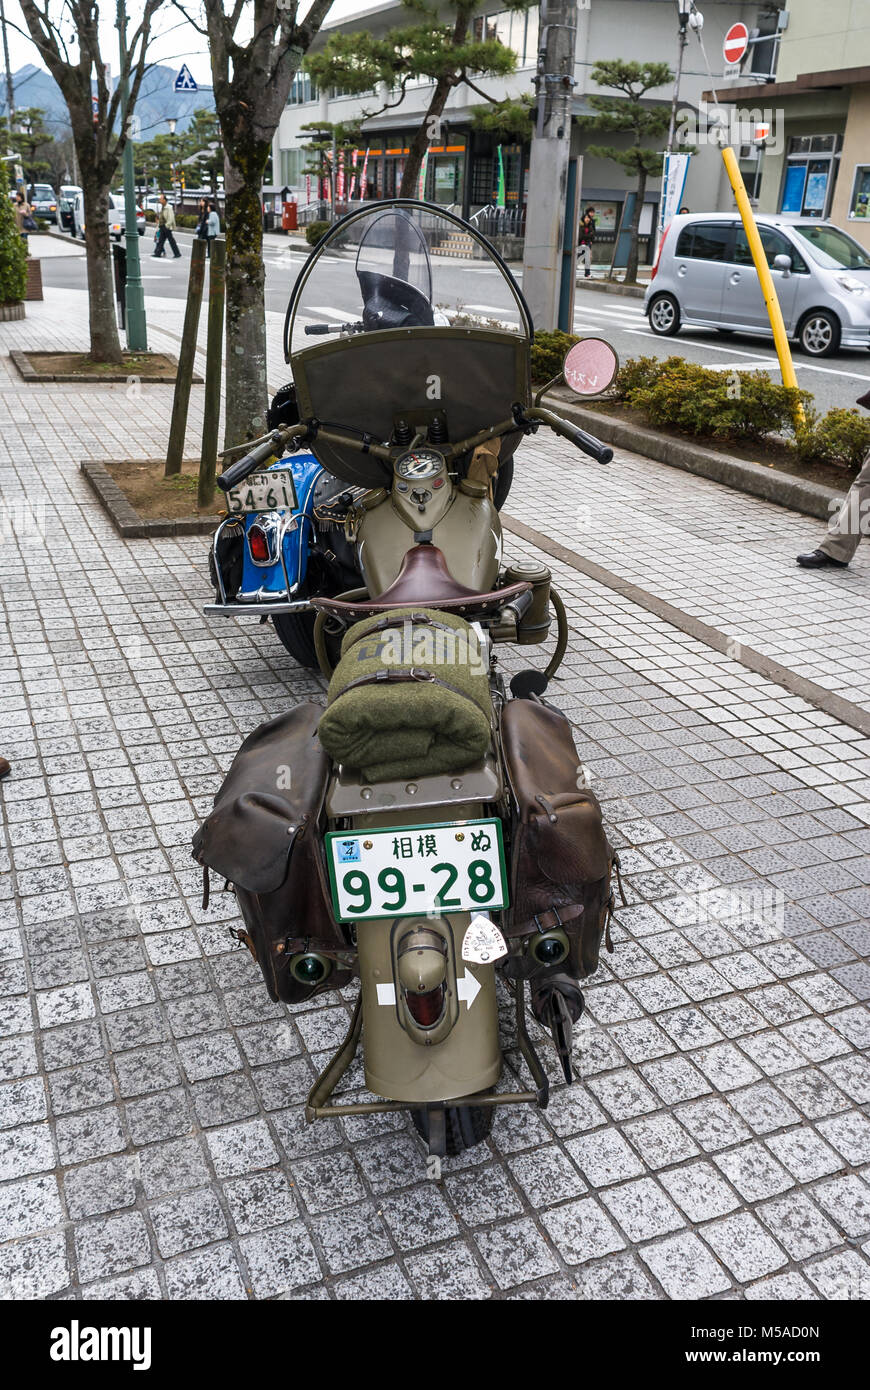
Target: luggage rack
350,795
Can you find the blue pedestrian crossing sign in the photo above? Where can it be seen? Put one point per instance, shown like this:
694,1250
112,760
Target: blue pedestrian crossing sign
184,82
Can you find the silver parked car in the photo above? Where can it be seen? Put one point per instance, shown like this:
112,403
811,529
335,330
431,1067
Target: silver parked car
704,278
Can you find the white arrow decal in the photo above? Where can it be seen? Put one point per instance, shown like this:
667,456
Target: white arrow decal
386,994
467,988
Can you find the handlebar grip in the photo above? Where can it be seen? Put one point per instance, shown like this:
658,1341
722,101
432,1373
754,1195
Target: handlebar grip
312,328
602,453
239,471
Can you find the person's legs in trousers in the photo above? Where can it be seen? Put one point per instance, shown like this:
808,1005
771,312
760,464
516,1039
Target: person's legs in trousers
586,258
171,239
845,528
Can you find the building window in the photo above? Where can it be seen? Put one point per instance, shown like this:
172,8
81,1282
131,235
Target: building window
513,29
811,169
859,203
302,90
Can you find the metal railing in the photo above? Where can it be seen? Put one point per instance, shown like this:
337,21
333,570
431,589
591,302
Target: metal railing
495,221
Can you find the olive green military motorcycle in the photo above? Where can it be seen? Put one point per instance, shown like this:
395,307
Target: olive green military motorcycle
430,830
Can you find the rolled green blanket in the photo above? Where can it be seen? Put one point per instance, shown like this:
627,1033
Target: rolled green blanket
409,698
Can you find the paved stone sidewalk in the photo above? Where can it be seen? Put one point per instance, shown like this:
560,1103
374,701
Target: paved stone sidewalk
152,1142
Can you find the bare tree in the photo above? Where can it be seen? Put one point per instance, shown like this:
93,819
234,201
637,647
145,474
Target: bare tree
252,81
96,121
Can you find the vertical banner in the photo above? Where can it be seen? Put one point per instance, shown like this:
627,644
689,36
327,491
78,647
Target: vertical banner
340,179
353,164
421,187
307,189
500,198
362,177
673,184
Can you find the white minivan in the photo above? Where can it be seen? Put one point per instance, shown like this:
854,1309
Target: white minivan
704,278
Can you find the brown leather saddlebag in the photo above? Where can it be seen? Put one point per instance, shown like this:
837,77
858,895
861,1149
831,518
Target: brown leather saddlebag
561,859
264,837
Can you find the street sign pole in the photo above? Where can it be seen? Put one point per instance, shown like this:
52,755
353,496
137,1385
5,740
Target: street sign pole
137,332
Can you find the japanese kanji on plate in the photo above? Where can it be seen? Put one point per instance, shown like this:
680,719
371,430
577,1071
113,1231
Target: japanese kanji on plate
407,871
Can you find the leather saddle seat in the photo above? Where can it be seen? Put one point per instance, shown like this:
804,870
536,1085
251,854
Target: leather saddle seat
424,581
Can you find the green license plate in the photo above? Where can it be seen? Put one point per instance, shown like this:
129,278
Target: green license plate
407,871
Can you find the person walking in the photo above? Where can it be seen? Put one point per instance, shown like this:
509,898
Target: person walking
585,238
213,227
165,228
24,217
202,222
850,523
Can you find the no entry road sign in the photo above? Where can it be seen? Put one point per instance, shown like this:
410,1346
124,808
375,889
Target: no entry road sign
735,44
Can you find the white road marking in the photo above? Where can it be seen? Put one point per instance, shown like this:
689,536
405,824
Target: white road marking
493,309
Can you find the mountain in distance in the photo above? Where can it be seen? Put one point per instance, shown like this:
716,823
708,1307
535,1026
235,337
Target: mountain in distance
158,100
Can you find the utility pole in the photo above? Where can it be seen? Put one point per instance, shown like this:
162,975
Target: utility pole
549,251
10,91
137,332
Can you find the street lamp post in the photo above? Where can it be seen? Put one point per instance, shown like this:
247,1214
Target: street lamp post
134,292
10,90
685,8
173,158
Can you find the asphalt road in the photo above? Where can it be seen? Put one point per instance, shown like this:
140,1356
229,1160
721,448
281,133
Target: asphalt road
836,381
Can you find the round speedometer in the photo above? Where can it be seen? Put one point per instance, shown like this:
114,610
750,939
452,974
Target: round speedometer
418,464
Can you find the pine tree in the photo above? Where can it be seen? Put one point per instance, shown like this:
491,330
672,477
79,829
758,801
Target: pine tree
627,114
13,249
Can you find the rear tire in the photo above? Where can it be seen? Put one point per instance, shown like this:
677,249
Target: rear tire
466,1126
664,315
296,633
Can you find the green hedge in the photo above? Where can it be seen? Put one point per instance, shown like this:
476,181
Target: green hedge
548,354
13,250
315,230
740,406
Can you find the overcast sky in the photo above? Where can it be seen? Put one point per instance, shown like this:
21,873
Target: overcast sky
178,42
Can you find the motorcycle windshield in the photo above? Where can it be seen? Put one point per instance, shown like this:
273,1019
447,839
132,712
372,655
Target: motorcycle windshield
405,312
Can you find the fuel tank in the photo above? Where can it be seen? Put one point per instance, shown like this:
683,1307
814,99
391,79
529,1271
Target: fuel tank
463,525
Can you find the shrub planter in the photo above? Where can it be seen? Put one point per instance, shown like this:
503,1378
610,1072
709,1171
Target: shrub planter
34,278
8,312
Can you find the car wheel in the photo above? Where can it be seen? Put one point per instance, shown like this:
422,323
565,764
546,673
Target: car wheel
819,333
664,315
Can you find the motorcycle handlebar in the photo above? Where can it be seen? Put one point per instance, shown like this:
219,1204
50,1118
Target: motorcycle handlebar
239,471
602,453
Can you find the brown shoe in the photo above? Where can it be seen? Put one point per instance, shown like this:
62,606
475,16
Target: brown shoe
5,769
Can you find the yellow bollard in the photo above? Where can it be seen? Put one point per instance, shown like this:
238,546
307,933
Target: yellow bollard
765,279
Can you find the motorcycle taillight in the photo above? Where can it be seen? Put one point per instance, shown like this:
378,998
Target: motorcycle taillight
258,544
426,1009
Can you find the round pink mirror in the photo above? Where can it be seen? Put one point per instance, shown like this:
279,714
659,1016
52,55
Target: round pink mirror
590,366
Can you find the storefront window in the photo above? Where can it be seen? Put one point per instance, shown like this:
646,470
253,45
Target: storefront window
859,203
810,174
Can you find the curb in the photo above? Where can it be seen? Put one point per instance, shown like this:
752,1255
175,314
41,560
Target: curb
29,374
126,520
606,287
813,499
